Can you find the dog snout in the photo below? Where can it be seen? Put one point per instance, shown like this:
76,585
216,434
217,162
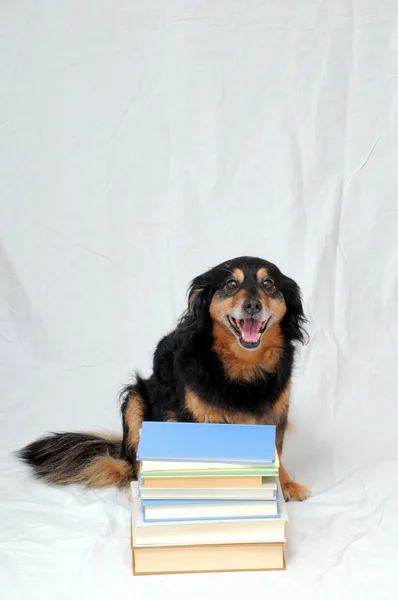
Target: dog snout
252,306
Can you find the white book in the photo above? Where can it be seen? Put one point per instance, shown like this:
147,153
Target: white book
267,491
234,531
147,466
190,510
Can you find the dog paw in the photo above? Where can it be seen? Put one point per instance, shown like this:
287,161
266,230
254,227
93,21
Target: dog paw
295,491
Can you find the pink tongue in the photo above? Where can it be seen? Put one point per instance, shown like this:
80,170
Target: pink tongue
250,330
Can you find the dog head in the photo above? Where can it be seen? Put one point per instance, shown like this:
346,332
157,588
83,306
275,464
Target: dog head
246,296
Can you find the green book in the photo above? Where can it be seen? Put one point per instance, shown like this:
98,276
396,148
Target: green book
239,472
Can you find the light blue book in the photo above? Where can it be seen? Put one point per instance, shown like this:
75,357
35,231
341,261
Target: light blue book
208,510
207,443
194,520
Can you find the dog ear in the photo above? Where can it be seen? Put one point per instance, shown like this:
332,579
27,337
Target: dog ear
294,319
196,300
199,296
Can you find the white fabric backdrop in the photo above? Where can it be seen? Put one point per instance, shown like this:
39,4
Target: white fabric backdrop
141,142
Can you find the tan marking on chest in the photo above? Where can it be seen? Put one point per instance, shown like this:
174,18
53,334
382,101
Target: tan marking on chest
205,413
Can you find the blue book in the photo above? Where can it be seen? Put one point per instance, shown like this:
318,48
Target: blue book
207,442
194,520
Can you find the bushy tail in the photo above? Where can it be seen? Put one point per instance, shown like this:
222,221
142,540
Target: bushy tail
65,458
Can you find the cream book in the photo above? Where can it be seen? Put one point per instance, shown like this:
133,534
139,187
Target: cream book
183,533
264,489
208,558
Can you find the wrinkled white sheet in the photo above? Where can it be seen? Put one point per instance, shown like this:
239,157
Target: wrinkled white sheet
142,142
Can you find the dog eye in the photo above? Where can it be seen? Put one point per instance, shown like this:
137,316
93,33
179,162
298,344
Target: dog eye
268,284
232,284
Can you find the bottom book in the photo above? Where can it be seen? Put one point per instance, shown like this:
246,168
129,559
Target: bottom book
153,560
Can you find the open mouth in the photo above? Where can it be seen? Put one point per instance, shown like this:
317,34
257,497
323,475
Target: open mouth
248,331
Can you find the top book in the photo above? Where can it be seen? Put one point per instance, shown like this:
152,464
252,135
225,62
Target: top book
206,442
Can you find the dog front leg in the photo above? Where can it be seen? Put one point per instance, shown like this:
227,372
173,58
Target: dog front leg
133,411
291,489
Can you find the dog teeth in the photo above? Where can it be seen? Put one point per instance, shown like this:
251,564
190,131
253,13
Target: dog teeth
236,323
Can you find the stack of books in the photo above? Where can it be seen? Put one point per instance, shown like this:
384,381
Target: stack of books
207,499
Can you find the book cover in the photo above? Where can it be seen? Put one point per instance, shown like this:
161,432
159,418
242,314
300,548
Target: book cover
208,558
206,442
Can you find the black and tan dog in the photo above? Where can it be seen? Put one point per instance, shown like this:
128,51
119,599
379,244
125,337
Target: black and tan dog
229,360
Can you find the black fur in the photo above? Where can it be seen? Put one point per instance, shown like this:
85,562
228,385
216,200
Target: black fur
60,457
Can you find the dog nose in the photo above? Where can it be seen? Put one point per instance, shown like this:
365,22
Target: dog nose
252,306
